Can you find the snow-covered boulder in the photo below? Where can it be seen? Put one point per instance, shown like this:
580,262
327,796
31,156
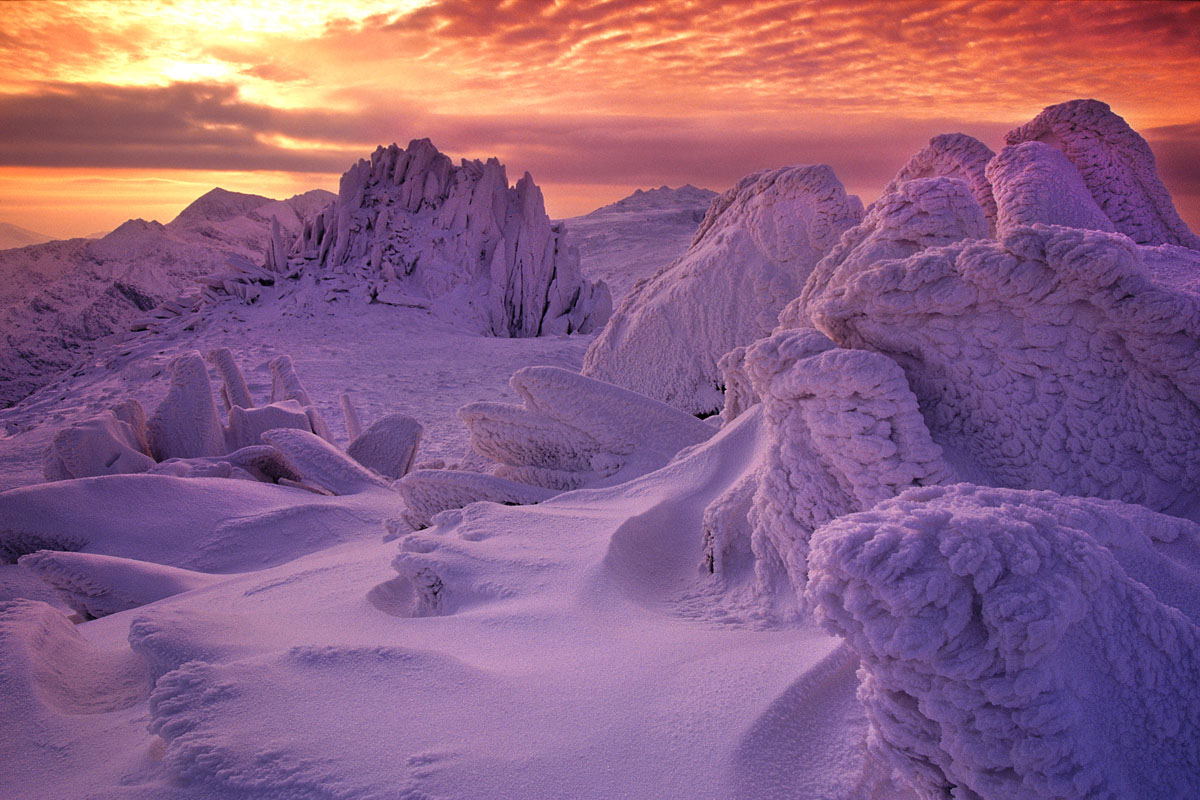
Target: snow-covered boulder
1117,167
410,224
101,445
1020,644
388,446
185,424
750,256
952,155
1034,182
919,214
1056,358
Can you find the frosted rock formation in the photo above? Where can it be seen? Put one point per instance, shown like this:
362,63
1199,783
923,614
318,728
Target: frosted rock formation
234,391
410,224
848,435
1056,359
1009,649
1034,182
750,256
102,445
573,431
429,491
388,446
96,586
320,463
921,213
1117,167
952,155
185,424
247,425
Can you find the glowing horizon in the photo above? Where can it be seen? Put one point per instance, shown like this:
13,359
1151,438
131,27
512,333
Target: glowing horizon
118,110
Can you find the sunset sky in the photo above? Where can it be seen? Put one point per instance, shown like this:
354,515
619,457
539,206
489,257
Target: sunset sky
127,109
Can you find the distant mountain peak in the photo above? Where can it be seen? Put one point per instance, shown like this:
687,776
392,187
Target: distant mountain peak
218,205
16,236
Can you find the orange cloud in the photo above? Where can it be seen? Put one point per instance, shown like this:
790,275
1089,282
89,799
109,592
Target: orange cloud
610,94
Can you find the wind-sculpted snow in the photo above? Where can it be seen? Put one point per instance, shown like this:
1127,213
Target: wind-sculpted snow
102,445
1053,359
1034,182
96,585
848,434
921,213
1117,167
410,228
952,155
750,256
1006,651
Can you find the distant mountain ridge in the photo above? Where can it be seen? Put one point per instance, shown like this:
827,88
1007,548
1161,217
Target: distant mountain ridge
59,298
16,236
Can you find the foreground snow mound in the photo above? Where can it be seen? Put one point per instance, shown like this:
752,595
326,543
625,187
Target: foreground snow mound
1006,651
1116,165
96,585
1057,358
751,254
410,228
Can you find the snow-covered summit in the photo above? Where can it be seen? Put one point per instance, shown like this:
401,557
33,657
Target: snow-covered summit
410,228
630,240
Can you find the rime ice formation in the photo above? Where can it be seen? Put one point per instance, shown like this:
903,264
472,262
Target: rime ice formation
96,586
1117,167
429,491
1006,652
751,254
952,155
573,431
388,446
410,228
569,432
285,441
921,213
1034,182
185,424
102,445
848,433
1053,359
58,300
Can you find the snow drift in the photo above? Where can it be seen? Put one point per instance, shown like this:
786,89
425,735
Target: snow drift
752,253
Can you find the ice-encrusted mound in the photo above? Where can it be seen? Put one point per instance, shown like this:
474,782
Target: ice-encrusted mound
1034,182
410,228
1057,358
848,434
921,213
1020,644
102,445
751,255
952,155
1117,167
